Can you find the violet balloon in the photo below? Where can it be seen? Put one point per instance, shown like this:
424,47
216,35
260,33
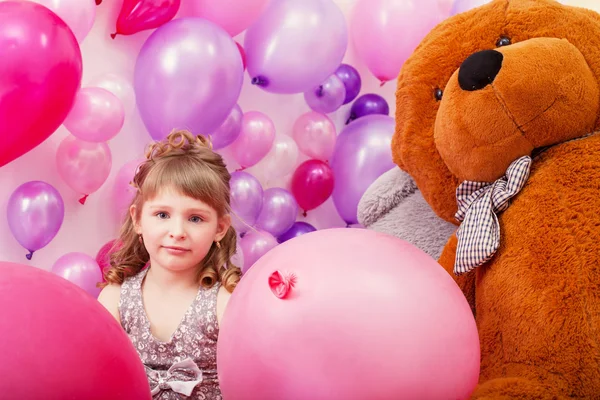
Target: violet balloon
362,153
255,139
254,245
351,80
97,115
326,97
35,213
198,86
278,213
295,45
246,200
229,130
315,135
298,229
80,269
368,104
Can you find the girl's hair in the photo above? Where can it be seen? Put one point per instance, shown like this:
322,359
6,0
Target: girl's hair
188,163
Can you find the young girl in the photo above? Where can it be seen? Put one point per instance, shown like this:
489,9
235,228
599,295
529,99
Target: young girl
179,227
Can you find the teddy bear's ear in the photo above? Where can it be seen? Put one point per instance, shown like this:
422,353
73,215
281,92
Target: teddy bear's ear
425,74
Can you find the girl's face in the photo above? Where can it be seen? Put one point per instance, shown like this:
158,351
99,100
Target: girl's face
177,230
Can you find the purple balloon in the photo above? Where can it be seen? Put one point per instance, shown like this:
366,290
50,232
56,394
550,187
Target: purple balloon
326,97
368,104
246,200
229,130
254,245
279,211
80,269
362,153
295,45
351,80
298,229
460,6
188,75
35,213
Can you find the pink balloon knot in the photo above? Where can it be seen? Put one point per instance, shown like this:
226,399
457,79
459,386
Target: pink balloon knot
240,169
98,2
83,199
113,35
281,284
304,214
28,256
383,82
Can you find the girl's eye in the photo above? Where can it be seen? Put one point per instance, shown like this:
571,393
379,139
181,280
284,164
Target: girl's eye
195,219
162,215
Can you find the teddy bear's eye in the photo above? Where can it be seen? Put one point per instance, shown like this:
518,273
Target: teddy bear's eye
503,41
438,93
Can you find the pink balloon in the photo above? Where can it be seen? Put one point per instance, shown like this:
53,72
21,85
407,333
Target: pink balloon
232,15
315,135
119,86
347,314
122,192
327,96
84,166
255,139
280,160
295,45
79,15
103,256
229,129
385,32
254,245
96,116
40,73
80,269
140,15
312,184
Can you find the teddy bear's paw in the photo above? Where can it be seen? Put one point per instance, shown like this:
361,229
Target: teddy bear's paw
514,388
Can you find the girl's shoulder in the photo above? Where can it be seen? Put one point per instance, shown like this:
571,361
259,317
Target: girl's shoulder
109,297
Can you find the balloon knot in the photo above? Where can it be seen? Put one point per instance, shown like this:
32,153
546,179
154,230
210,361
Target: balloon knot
83,199
113,35
304,213
382,83
351,118
28,256
282,284
260,81
98,2
320,91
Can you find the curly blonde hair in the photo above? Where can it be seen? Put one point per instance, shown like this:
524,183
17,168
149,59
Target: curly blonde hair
188,163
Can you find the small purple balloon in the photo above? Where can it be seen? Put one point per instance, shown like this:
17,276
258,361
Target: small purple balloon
279,211
229,130
368,104
254,245
35,213
351,80
326,97
80,269
246,200
298,229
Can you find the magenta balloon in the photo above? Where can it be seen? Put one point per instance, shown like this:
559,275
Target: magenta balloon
295,45
362,153
188,75
35,213
80,269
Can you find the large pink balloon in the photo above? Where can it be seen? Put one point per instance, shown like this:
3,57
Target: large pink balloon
73,347
40,73
80,269
385,32
84,166
188,75
232,15
347,314
79,15
295,45
97,115
315,135
255,139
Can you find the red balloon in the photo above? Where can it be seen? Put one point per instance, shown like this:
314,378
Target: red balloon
242,54
312,184
61,342
40,74
139,15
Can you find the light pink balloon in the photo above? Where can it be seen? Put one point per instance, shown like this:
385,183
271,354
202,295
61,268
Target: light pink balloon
119,86
281,160
84,166
122,192
79,15
232,15
385,32
255,140
96,116
315,135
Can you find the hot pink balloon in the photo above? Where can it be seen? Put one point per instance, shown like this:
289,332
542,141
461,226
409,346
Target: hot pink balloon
232,15
79,15
140,15
96,116
315,135
254,245
103,256
84,166
312,184
255,139
295,45
123,192
347,314
385,32
40,73
80,269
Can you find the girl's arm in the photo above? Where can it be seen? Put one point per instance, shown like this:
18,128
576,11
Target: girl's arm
109,298
222,299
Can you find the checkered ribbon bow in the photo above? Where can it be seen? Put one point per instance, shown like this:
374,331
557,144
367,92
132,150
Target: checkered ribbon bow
478,203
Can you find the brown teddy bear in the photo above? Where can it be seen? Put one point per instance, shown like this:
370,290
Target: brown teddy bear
497,111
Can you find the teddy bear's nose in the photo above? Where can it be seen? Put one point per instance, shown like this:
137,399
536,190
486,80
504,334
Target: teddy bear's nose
479,69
